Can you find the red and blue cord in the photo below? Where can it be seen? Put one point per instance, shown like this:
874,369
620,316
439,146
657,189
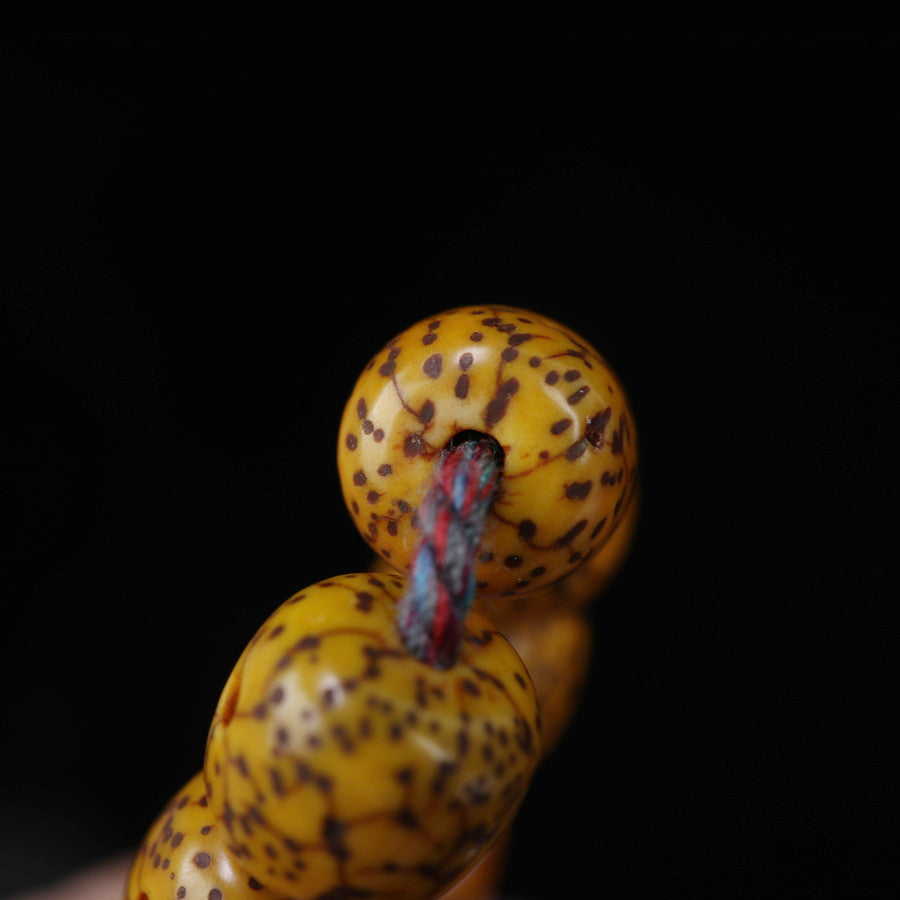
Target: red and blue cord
450,521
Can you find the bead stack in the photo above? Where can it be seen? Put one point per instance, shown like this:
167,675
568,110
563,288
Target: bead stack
380,730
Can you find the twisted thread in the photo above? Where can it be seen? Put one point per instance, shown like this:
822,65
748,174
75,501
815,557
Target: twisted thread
450,521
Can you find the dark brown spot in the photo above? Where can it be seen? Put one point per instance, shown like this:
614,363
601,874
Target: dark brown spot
361,408
476,336
551,377
516,339
578,490
333,830
433,365
572,533
576,450
351,442
254,885
367,427
387,368
407,818
378,434
490,322
534,362
513,561
427,413
466,360
462,386
359,478
385,469
202,860
413,445
429,338
595,429
572,399
509,354
364,601
470,687
572,375
560,426
597,527
496,408
527,529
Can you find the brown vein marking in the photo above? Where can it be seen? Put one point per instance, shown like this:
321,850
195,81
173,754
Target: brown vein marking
573,451
424,416
556,544
391,519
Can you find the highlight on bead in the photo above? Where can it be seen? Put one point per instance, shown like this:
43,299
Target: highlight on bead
548,398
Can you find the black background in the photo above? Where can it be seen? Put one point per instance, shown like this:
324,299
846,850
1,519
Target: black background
210,236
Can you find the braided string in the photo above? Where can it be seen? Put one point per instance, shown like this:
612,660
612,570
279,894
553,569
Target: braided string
450,521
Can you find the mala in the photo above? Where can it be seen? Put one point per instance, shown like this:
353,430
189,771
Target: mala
380,730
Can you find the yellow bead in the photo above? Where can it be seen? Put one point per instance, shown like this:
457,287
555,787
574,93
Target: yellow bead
340,763
550,400
556,647
184,856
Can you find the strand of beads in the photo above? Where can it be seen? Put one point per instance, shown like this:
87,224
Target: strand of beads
380,730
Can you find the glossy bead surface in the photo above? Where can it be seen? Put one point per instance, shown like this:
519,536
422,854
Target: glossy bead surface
550,400
340,763
184,856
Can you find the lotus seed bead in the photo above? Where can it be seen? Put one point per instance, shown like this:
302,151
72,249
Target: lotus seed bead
557,410
342,766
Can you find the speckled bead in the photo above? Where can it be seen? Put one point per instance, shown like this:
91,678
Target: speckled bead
550,400
184,856
342,766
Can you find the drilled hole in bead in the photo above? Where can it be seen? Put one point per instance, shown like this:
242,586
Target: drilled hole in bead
469,434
